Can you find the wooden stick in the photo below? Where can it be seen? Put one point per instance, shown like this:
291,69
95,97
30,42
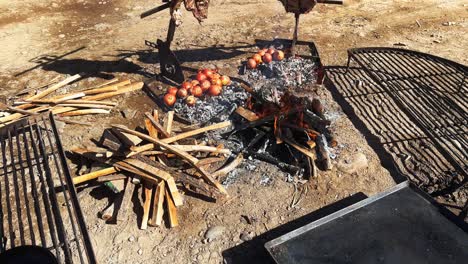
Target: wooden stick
128,88
247,114
108,212
301,149
100,90
112,177
69,97
228,168
181,136
173,221
55,87
168,123
17,110
156,125
95,106
17,116
178,152
46,101
93,175
127,197
93,91
106,83
146,206
55,79
86,112
158,209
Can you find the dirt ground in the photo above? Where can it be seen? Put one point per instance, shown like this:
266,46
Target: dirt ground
42,39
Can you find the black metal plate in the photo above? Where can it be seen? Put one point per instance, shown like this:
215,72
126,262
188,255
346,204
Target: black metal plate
401,225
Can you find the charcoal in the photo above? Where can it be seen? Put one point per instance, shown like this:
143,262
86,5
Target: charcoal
213,108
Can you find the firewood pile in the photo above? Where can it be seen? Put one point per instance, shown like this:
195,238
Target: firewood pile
163,162
85,102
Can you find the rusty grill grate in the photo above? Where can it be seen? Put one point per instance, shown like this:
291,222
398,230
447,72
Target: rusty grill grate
37,205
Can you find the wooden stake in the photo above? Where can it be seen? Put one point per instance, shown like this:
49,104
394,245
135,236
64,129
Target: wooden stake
146,206
86,112
127,197
128,88
55,87
93,175
168,123
173,221
158,209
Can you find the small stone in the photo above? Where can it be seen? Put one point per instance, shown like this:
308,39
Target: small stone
448,23
246,236
357,162
131,239
214,232
140,251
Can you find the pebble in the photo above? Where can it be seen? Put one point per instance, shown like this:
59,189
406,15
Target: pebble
140,251
214,232
131,239
246,236
357,162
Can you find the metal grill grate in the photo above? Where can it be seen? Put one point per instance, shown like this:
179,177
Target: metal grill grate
431,91
38,207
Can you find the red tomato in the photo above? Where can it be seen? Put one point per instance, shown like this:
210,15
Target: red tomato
279,55
258,58
201,77
215,76
182,93
194,83
205,85
271,51
172,90
215,90
267,58
169,99
225,80
262,52
191,100
186,85
197,91
216,82
251,64
208,72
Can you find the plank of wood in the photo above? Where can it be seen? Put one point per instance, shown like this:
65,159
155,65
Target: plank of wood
247,114
4,120
69,97
157,125
114,80
93,175
127,138
110,141
184,155
158,201
169,121
146,206
126,201
55,87
172,211
85,112
125,89
112,177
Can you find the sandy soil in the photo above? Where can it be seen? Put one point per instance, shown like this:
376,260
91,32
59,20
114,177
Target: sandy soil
42,39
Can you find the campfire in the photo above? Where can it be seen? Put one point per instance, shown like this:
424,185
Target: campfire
274,120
